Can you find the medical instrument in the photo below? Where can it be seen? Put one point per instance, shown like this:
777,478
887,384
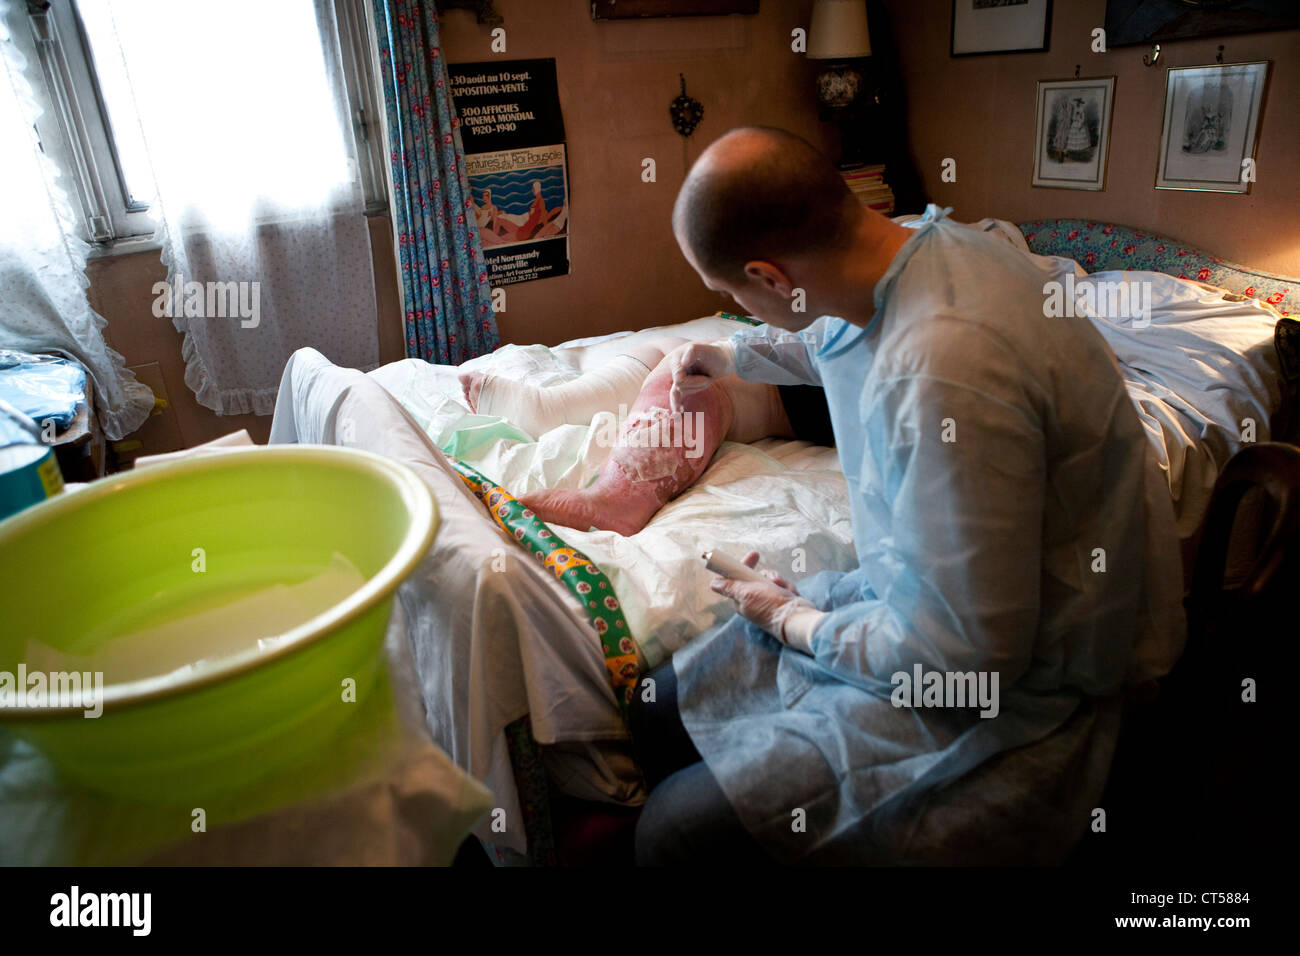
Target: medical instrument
724,564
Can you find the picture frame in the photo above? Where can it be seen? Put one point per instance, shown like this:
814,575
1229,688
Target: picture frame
1144,22
1072,132
1000,26
1211,126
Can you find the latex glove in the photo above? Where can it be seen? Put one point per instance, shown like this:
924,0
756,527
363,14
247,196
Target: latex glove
774,605
698,365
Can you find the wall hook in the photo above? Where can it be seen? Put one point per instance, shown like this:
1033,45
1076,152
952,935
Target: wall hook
1155,55
1219,58
1076,70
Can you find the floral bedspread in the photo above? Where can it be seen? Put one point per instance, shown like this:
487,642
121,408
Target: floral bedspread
1104,246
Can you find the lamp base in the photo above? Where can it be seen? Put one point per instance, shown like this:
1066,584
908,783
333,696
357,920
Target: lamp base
838,84
848,97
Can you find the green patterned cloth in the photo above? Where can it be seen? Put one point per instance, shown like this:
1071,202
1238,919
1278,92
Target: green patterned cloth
577,572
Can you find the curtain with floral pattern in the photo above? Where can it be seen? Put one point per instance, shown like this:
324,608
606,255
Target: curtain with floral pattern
445,294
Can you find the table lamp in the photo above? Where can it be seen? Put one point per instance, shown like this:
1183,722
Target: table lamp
839,35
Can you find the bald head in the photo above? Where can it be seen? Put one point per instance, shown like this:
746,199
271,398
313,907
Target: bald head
762,194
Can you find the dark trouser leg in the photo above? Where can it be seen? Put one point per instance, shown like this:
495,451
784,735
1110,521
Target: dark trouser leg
688,821
687,818
662,744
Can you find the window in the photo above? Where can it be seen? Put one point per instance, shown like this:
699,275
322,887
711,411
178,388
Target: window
91,134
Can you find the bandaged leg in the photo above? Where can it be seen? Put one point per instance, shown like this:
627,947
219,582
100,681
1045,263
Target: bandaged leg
538,409
657,456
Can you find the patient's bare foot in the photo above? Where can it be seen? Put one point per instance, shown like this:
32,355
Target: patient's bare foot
588,508
471,386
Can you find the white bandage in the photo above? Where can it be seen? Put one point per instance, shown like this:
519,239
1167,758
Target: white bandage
539,409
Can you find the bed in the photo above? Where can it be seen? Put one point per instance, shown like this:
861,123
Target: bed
521,670
506,655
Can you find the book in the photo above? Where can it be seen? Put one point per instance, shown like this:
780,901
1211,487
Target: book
867,183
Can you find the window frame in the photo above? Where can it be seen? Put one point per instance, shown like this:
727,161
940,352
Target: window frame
77,134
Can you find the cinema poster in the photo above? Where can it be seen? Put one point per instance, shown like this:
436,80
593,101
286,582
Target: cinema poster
515,159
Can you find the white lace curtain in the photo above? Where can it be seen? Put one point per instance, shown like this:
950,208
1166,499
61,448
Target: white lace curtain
43,305
234,116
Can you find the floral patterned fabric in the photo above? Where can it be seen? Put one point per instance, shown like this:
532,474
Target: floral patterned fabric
593,589
1103,246
574,569
445,293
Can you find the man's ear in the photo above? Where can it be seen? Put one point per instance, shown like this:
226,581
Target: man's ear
770,276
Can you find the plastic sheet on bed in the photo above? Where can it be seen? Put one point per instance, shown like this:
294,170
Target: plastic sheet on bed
786,498
43,387
492,634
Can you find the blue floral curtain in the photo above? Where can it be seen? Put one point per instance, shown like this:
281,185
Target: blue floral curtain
444,276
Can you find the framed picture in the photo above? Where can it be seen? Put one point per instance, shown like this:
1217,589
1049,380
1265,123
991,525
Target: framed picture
1211,120
1000,26
1130,22
1072,135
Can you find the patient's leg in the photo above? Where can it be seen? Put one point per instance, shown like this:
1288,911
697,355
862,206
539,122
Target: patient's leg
639,478
537,409
759,412
657,456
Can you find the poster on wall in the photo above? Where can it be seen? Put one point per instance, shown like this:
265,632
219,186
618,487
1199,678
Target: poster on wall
517,166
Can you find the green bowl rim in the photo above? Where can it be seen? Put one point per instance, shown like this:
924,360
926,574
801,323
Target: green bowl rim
415,495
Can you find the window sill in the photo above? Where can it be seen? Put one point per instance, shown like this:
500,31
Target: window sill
135,244
123,247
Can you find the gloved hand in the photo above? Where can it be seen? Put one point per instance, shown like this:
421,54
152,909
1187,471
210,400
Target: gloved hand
774,605
698,365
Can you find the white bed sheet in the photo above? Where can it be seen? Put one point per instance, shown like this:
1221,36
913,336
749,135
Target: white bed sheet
488,645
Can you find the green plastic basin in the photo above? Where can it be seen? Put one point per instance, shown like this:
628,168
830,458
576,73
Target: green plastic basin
166,579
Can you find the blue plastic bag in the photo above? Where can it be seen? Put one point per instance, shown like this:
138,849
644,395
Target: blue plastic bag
43,387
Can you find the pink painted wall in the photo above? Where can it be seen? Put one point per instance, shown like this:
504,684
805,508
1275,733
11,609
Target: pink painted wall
616,80
980,111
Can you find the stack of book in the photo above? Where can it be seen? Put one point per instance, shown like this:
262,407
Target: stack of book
868,184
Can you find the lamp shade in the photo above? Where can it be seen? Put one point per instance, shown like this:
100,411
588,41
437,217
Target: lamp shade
839,30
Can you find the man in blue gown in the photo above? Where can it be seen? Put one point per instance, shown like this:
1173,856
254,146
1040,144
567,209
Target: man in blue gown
1016,546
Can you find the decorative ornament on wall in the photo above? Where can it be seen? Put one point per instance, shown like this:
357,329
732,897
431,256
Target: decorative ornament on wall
685,111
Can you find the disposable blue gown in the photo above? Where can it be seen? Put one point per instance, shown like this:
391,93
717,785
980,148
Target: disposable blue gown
989,453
